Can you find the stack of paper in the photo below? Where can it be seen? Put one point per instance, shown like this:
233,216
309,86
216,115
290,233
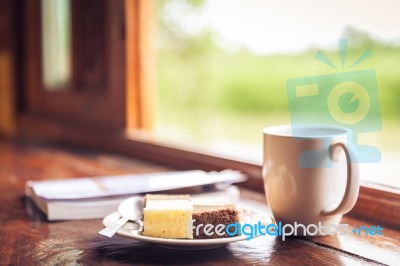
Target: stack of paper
90,198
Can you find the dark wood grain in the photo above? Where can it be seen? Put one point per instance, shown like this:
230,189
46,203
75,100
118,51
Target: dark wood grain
28,239
8,60
89,44
95,96
385,249
377,206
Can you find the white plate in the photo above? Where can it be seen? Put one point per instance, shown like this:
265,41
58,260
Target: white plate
132,230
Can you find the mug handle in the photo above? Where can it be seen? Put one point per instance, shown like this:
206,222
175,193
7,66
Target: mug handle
352,185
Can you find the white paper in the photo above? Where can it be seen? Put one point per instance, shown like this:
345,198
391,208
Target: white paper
81,188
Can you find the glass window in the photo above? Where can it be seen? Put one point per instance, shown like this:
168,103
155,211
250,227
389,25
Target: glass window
56,43
223,68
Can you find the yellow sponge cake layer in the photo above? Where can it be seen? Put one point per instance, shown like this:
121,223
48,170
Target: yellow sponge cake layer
168,219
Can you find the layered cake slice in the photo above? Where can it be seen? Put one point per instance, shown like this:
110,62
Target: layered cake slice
172,216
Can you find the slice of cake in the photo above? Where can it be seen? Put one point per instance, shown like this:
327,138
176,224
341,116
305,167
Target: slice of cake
172,216
215,211
168,218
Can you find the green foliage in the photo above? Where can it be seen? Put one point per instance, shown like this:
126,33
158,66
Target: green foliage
194,73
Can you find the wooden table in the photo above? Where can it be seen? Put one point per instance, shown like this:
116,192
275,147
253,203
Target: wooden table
26,238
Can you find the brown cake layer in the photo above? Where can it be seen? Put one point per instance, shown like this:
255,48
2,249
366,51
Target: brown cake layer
213,215
205,211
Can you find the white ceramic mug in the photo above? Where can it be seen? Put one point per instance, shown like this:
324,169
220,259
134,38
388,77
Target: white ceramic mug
309,188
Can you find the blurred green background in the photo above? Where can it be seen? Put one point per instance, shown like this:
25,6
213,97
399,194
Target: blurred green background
221,97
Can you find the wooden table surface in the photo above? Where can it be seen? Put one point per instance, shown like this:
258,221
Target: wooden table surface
26,238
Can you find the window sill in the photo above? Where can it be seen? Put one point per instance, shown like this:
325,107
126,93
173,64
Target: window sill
376,204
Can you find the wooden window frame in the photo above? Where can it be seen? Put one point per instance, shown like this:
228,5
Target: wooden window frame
103,107
375,203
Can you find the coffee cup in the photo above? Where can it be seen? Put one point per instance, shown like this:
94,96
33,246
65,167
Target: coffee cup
310,176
